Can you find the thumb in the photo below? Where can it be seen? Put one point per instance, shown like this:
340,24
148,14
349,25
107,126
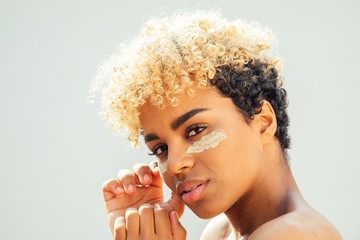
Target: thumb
178,232
174,204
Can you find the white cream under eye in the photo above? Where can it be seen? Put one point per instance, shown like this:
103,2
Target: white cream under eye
208,141
162,166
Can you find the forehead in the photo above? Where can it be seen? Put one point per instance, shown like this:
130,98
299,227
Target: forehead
204,98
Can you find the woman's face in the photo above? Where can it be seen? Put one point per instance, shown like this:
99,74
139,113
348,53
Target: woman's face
209,181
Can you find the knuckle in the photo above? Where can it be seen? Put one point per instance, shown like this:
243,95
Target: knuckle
107,183
119,227
104,185
127,178
160,210
131,213
123,172
140,167
119,222
145,208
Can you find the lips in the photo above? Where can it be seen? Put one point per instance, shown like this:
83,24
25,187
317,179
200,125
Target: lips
191,190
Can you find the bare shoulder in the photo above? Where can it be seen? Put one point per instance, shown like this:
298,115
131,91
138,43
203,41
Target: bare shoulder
305,224
218,228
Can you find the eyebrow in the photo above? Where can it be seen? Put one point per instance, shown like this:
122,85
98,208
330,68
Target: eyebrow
183,118
150,137
177,122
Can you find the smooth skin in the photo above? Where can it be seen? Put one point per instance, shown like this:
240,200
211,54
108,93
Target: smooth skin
246,175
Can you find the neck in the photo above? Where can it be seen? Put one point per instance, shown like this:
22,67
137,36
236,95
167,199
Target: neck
273,194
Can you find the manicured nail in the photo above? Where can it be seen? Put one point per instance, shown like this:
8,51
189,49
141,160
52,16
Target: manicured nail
130,188
145,205
119,190
129,210
155,166
146,178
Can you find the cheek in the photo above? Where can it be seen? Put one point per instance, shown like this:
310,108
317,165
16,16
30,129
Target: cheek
244,154
238,153
209,141
170,182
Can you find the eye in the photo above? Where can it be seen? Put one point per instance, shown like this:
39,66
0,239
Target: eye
194,130
159,149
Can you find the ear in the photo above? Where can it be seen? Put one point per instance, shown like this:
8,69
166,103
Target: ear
266,120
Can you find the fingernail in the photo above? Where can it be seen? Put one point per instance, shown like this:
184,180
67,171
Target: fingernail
146,178
155,166
129,210
130,188
145,205
119,190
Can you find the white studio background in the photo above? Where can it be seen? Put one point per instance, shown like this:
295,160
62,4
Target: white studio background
55,151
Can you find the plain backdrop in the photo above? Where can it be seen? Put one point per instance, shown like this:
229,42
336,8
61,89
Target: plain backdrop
55,151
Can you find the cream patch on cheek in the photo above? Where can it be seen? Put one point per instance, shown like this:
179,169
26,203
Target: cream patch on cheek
162,166
208,141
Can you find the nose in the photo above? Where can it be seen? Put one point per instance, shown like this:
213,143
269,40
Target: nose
178,161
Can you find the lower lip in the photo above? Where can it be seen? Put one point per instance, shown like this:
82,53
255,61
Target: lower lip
194,194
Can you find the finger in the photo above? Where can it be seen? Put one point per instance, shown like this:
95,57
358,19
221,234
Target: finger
177,230
120,228
111,188
143,172
154,166
132,224
127,179
174,204
146,221
156,178
162,223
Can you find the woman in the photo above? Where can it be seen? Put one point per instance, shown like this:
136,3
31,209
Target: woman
205,94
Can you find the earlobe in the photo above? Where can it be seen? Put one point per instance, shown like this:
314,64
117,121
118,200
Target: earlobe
267,121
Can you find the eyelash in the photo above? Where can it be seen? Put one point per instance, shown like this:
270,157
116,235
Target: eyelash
198,128
157,147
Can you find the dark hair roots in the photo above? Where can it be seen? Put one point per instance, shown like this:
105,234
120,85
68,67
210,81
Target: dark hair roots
249,86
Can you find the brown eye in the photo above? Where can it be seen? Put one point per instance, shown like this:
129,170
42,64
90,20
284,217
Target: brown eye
194,130
158,150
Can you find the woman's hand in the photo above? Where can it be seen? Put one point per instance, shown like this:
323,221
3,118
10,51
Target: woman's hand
149,223
134,188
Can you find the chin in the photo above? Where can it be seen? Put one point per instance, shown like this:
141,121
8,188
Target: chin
204,212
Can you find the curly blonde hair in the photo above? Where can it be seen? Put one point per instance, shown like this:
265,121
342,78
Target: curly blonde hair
175,55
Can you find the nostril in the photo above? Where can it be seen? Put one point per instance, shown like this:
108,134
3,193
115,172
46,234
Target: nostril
183,168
